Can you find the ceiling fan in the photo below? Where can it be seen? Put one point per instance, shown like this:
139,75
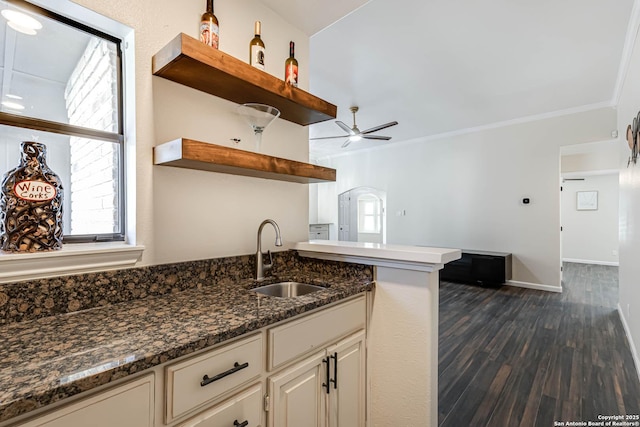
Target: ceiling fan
355,134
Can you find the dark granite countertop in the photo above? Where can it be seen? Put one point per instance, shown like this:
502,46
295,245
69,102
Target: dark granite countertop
45,360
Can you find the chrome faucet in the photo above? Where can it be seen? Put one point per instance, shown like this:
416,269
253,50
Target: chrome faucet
261,267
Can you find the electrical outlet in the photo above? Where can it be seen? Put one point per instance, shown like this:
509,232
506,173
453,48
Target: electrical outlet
614,252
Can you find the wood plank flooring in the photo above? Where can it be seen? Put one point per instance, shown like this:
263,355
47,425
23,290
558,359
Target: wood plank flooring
520,357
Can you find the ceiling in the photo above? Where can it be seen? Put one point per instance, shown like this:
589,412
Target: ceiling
312,17
442,66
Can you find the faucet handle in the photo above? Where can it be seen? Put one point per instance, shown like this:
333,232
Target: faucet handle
270,263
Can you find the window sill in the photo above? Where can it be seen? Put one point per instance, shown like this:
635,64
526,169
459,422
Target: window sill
71,259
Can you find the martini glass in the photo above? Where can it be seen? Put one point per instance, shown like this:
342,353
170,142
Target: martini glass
259,116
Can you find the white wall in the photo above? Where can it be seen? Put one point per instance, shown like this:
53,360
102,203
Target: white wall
464,191
591,236
629,271
185,214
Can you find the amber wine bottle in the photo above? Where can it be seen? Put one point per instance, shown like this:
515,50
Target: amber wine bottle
209,27
291,67
256,49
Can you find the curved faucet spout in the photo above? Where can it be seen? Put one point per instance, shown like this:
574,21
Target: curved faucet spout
261,267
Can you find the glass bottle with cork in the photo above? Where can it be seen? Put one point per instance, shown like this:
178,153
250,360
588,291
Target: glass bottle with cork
210,27
291,67
31,204
256,48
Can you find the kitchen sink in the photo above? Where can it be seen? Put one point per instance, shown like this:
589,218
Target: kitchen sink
287,289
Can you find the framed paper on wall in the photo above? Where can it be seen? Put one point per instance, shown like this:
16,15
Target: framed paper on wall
586,200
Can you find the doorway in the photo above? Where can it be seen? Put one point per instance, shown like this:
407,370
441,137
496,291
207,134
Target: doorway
362,215
589,203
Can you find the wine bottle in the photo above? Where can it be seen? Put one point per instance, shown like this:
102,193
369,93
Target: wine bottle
291,67
209,27
256,49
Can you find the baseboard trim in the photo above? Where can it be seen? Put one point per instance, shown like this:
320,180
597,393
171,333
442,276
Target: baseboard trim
627,331
589,261
536,286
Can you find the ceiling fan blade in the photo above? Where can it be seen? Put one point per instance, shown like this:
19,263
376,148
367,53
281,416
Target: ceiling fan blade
345,127
382,138
377,128
346,143
327,137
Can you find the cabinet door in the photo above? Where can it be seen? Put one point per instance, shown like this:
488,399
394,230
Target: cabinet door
243,409
347,394
128,405
297,395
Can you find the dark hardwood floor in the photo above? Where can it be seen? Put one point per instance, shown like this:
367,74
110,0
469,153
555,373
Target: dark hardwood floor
520,357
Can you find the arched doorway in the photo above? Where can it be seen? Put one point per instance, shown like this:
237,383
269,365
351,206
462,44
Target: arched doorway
362,215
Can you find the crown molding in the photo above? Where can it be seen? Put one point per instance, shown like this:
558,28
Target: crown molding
481,128
630,40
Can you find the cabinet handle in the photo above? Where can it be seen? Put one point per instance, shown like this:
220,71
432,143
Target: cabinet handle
243,424
328,383
335,370
236,367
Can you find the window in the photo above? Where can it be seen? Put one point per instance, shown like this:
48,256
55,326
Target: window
62,86
369,214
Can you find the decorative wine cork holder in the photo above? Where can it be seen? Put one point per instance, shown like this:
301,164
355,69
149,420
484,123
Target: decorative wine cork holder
31,204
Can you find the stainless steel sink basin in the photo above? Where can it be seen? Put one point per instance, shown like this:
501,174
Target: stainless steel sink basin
287,289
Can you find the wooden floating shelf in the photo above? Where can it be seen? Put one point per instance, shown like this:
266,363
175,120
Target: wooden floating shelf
187,61
190,154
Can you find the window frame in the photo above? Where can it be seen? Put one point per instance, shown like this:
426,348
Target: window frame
118,137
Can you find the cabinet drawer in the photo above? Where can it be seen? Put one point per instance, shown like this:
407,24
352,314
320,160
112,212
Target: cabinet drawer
243,407
293,339
225,368
319,227
319,235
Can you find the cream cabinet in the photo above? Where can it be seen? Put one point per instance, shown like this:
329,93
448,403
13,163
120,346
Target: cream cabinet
324,390
327,387
127,405
306,371
313,374
318,231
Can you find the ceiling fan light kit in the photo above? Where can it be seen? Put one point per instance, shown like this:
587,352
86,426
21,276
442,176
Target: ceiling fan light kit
354,134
